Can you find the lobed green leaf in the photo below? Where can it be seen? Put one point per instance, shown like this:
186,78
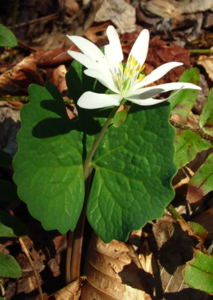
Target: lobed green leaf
133,172
48,165
199,273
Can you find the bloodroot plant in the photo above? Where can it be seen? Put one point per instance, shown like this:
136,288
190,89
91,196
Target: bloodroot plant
113,165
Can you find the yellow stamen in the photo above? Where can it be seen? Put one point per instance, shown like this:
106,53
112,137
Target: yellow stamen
142,68
131,72
138,68
130,59
116,77
121,66
140,78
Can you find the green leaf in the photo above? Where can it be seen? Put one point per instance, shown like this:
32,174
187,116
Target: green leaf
198,229
187,145
9,266
5,160
120,117
7,38
183,101
133,172
8,191
206,117
199,273
48,165
11,226
201,182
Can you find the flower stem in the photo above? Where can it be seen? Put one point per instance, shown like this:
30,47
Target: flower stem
75,239
174,213
97,141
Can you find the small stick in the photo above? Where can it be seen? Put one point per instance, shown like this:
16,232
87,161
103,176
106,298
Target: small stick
46,18
202,51
32,265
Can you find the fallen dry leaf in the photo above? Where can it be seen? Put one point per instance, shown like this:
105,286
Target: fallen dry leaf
111,273
119,12
207,63
173,247
20,76
72,291
57,77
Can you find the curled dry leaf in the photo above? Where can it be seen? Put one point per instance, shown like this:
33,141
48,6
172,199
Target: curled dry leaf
173,247
111,273
57,77
71,291
20,76
207,63
119,12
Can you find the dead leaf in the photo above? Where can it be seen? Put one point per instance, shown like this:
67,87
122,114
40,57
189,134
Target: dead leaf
111,273
173,247
120,13
207,63
21,76
57,77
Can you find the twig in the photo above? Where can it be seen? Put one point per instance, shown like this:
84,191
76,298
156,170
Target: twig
46,18
199,131
2,288
32,265
202,51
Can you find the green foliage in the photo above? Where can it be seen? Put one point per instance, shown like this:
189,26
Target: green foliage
187,145
9,266
7,38
133,172
199,273
133,161
48,165
183,101
206,117
11,226
202,181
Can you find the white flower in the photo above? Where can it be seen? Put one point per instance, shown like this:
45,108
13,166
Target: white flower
127,83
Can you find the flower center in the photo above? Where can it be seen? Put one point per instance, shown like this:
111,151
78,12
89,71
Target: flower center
126,78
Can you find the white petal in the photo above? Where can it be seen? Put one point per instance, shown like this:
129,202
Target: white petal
104,79
113,51
161,88
151,101
90,50
83,59
140,47
92,100
147,102
158,73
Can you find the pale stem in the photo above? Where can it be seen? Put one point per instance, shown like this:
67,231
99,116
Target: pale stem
75,239
97,141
